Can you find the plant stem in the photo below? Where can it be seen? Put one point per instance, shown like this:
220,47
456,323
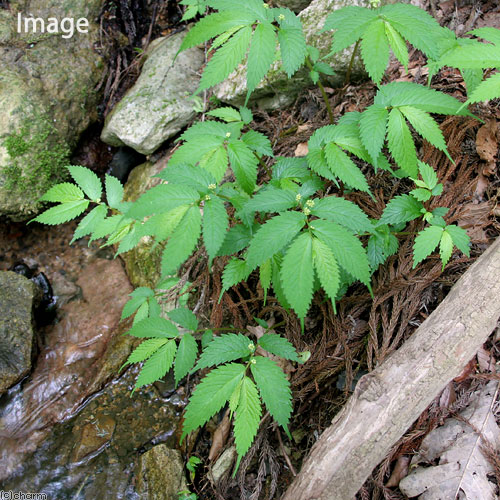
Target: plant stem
322,90
351,62
263,165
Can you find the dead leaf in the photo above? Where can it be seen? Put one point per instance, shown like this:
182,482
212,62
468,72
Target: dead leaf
448,396
303,128
220,437
485,360
302,149
463,469
487,145
467,371
474,217
400,471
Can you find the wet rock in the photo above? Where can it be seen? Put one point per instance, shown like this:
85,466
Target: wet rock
47,99
158,105
93,437
18,298
160,474
82,351
123,161
276,90
64,289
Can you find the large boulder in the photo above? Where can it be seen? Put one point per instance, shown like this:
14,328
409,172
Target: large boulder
276,89
47,98
158,105
295,5
18,297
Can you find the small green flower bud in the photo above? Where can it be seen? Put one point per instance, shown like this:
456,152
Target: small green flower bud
212,186
265,6
251,346
310,203
253,361
298,197
228,134
306,211
281,17
207,197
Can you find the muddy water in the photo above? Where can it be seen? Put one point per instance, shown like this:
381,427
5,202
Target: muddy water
58,435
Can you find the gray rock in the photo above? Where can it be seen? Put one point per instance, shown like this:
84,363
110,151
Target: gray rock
47,99
158,105
160,474
223,464
18,296
295,5
276,90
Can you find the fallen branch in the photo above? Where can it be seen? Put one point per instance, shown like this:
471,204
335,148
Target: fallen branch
388,400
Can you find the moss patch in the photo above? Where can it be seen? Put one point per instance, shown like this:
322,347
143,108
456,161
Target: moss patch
37,157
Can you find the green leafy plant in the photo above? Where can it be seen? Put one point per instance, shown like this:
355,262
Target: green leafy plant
285,220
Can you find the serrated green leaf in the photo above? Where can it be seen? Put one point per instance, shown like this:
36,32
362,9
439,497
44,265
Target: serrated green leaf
285,168
343,212
327,269
145,350
236,270
236,239
226,59
105,226
210,395
486,90
297,274
421,97
154,327
184,317
445,248
114,191
89,222
142,313
470,56
460,238
403,208
422,122
344,168
62,213
375,50
212,25
226,113
400,143
132,305
293,48
279,346
157,365
186,357
62,193
215,162
265,274
398,45
182,242
425,243
275,234
350,23
346,248
191,175
215,224
261,54
270,199
274,389
257,142
87,180
372,128
161,226
244,165
421,194
416,26
246,115
276,279
247,418
162,199
227,347
428,174
324,68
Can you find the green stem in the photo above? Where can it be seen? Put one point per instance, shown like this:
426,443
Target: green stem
263,165
322,90
351,62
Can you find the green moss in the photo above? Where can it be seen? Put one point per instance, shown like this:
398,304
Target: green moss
37,157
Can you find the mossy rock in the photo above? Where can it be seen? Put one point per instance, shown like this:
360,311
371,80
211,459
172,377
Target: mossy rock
47,100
